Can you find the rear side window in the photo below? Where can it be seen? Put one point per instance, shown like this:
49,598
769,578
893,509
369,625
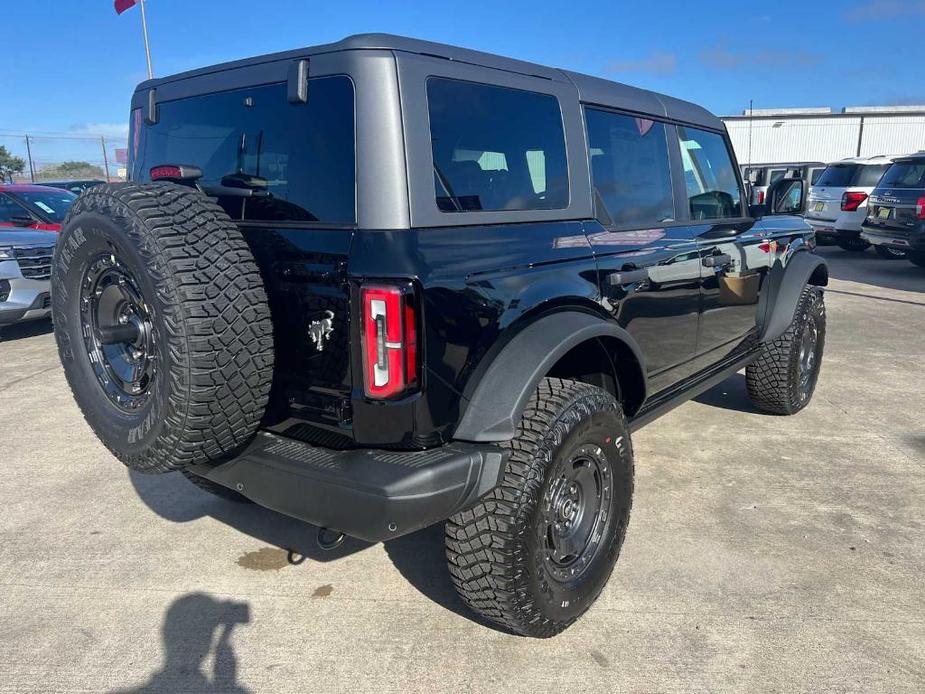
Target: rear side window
496,148
905,175
712,185
262,157
630,168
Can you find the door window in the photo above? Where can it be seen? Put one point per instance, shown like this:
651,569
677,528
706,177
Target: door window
712,185
630,169
496,148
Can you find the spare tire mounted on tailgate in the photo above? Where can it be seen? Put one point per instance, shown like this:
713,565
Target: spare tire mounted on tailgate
163,325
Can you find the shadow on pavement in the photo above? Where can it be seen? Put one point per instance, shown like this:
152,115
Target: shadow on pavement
869,268
421,559
32,328
195,626
730,394
175,499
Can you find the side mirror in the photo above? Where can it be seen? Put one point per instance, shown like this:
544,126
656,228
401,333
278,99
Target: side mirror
22,220
785,196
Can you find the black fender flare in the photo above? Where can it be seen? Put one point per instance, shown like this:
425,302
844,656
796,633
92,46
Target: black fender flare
785,284
501,394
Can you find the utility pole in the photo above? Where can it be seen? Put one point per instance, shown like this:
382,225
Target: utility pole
29,156
105,158
751,120
144,30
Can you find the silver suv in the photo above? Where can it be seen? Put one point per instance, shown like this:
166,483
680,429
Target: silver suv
25,273
837,202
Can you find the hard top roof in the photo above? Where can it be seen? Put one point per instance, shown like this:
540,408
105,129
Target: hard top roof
591,89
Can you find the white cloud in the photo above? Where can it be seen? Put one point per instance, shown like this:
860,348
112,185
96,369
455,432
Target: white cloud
655,64
107,130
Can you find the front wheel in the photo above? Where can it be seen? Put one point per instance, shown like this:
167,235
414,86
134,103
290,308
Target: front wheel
783,378
534,554
888,253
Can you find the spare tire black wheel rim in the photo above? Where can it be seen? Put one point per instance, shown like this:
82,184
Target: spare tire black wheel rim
575,512
117,332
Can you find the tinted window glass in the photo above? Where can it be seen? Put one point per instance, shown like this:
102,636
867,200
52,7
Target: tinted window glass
869,176
496,148
905,175
296,159
630,168
837,176
774,175
52,205
712,186
9,209
814,176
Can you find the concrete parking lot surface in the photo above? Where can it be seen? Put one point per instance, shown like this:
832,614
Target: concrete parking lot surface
764,553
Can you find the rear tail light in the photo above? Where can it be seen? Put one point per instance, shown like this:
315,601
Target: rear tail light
760,197
389,340
852,201
175,172
920,207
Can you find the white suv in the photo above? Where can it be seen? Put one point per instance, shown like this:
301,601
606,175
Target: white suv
837,203
25,269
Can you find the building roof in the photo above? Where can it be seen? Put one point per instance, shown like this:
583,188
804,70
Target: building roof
591,89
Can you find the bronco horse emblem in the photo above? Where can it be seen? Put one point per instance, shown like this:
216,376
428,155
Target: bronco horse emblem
320,330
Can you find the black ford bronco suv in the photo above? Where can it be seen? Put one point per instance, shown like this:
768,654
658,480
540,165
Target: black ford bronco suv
384,283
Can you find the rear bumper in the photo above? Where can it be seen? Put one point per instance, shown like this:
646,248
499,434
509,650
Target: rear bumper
373,495
900,240
832,231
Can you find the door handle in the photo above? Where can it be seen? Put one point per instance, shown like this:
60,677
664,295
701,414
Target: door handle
720,260
628,277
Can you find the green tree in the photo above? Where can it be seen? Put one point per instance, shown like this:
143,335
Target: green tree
9,164
71,170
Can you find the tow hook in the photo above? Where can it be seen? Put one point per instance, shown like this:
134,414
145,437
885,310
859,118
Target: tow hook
330,539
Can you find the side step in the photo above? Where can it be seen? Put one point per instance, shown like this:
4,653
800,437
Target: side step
374,495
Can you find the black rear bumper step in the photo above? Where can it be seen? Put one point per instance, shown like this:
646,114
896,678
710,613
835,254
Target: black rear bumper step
373,495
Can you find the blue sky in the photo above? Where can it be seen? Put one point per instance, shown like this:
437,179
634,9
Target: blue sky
71,65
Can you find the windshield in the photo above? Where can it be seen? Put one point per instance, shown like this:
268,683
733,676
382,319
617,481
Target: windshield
905,175
51,206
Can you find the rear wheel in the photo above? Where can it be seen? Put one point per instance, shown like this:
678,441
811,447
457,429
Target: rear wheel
535,553
162,325
888,253
855,245
782,380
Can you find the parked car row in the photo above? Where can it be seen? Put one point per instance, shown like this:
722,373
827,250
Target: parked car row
761,176
30,217
856,203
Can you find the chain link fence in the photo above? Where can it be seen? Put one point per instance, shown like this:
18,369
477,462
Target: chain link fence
63,157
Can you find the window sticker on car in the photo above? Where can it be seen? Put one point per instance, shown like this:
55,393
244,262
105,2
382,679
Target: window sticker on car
45,208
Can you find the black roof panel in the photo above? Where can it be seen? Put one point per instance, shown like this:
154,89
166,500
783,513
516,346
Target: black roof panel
591,89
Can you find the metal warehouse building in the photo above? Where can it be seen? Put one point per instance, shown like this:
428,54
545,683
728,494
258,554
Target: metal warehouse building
821,134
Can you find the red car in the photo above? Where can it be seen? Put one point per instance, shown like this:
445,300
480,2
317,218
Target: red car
34,207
